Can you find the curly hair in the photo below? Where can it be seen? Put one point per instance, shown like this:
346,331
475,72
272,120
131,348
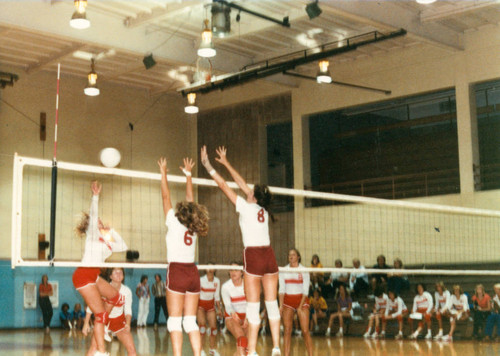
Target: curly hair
193,216
83,225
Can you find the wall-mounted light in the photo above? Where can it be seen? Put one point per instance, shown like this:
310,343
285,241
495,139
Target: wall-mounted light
79,18
206,48
91,89
323,75
191,108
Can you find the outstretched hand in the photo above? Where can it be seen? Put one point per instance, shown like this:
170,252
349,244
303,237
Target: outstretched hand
204,159
96,187
162,163
222,159
188,165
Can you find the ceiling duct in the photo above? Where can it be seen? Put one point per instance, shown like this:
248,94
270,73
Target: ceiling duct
221,19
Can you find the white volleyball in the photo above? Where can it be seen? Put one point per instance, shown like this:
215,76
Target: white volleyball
110,157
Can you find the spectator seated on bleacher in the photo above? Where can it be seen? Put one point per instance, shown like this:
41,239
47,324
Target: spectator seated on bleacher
481,311
396,310
441,300
344,307
319,309
379,279
381,301
397,282
336,280
422,311
494,318
358,281
458,308
317,279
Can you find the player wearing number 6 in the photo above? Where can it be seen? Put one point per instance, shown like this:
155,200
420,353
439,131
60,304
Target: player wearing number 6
259,260
183,281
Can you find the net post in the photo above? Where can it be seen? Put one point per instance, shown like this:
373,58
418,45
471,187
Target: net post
53,195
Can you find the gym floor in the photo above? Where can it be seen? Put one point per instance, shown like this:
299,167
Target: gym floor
151,342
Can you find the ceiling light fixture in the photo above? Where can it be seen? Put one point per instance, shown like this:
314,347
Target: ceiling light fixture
313,10
323,75
221,19
79,18
91,89
191,108
426,2
206,49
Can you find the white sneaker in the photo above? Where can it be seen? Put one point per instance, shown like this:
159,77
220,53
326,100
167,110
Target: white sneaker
203,353
298,333
357,318
340,334
438,336
253,354
428,336
276,352
414,335
366,335
106,335
327,332
214,352
447,338
316,328
399,336
375,335
97,353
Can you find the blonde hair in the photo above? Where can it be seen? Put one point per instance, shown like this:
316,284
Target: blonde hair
83,225
193,216
441,284
479,286
457,287
497,286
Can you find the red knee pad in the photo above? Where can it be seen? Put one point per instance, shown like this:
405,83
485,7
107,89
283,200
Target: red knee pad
242,342
102,318
118,300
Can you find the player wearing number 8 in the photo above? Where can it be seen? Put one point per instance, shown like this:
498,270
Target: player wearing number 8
183,282
260,264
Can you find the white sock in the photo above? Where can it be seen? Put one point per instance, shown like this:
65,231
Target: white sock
341,330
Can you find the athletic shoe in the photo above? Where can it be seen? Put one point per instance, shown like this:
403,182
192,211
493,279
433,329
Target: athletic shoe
366,335
382,335
276,352
327,332
439,336
316,328
357,318
428,336
97,353
106,334
447,338
298,333
414,336
375,335
399,336
203,353
214,352
253,354
340,334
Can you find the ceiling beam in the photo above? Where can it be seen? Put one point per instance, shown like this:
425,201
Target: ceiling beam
458,8
387,16
56,57
159,13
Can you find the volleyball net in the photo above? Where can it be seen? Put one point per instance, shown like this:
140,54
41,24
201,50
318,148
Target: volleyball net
333,226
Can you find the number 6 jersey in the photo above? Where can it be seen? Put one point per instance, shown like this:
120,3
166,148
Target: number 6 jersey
181,245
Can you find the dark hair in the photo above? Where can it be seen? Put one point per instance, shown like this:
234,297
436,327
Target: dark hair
158,276
194,217
420,284
379,291
264,197
339,261
83,224
234,262
65,305
346,292
312,259
211,263
143,277
297,252
393,292
381,256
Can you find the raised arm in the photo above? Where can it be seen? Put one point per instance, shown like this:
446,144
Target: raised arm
222,159
188,167
93,212
216,176
165,192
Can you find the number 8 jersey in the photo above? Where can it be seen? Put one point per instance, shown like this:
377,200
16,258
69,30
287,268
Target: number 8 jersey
254,223
181,245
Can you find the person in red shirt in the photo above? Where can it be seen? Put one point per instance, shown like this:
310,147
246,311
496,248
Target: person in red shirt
482,308
44,293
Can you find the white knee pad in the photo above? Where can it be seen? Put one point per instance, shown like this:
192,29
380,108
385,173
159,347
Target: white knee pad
203,329
189,324
253,315
212,331
174,323
273,311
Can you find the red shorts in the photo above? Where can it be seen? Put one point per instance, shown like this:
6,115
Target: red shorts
242,317
206,305
117,324
292,301
426,317
83,276
259,261
183,278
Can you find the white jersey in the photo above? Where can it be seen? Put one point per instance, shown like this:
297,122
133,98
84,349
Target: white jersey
254,223
98,247
234,298
496,300
209,290
441,301
381,303
181,245
458,304
423,301
396,307
293,283
358,275
124,309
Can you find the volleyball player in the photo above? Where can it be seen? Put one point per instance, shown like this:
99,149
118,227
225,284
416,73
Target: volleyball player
381,301
183,282
235,305
208,306
261,269
119,317
100,243
458,307
396,310
422,304
441,298
293,294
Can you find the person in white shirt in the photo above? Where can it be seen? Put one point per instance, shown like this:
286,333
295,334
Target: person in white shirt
358,281
260,266
396,310
441,298
185,224
100,242
119,317
208,308
381,302
422,309
293,295
235,304
458,307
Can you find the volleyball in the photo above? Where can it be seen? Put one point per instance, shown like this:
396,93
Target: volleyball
110,157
